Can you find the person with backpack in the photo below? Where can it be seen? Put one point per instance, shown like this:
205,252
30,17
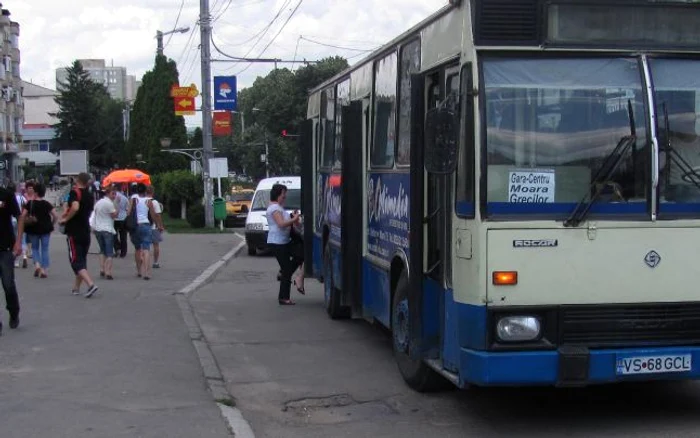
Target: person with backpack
142,215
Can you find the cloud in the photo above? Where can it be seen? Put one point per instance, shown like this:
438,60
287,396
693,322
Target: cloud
53,34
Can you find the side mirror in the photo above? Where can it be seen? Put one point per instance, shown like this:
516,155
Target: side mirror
441,129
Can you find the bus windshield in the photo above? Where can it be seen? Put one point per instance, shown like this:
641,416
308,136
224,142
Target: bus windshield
550,125
262,200
677,93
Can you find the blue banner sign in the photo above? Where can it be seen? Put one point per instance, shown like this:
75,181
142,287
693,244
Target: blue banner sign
225,95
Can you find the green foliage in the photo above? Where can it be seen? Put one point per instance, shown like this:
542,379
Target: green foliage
88,118
195,215
153,118
197,140
280,100
178,185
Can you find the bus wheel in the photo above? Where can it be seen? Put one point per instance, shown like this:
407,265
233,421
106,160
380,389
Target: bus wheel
331,294
416,373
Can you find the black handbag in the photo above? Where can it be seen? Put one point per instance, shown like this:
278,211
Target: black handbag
130,221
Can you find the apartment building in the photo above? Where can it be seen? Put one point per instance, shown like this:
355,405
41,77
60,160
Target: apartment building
11,101
119,85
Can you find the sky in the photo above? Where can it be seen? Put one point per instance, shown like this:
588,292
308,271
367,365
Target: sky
53,33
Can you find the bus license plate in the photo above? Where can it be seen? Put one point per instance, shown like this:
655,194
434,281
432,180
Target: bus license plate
654,364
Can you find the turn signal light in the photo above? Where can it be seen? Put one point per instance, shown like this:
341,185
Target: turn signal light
505,278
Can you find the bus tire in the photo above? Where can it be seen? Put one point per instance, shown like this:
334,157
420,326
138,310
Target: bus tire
252,250
416,373
331,294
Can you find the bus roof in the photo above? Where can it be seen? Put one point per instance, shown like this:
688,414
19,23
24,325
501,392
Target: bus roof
402,37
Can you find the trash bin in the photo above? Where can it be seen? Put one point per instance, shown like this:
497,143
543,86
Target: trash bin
219,209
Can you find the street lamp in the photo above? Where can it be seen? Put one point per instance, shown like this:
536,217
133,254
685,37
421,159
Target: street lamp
159,36
166,142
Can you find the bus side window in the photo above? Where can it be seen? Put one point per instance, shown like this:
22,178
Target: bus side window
384,111
410,64
465,165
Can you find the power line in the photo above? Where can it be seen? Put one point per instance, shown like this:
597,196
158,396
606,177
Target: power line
177,20
334,46
187,44
296,50
276,35
262,33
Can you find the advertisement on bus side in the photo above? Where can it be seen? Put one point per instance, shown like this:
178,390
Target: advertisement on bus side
388,214
328,205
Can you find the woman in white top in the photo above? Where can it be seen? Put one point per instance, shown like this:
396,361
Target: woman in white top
142,236
105,211
278,239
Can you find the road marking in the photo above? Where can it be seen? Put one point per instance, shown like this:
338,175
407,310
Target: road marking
211,270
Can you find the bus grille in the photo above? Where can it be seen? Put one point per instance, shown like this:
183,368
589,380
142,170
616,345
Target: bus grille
507,22
665,324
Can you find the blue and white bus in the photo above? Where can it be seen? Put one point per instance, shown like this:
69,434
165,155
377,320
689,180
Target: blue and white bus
512,188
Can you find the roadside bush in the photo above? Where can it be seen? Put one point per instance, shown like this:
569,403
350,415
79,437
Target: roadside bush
195,215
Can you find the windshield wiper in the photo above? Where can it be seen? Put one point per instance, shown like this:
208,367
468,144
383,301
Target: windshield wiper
673,156
610,165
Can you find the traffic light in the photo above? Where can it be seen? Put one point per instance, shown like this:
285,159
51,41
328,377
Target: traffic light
284,133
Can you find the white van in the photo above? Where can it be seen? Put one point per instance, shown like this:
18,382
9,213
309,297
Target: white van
256,223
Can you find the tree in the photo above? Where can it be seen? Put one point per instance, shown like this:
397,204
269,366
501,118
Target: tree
88,118
153,118
280,101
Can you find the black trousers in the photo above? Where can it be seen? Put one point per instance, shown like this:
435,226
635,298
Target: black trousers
120,240
289,262
7,275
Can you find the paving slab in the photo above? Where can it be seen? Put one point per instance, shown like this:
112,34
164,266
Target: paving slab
118,364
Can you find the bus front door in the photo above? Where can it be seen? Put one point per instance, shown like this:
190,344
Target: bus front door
431,198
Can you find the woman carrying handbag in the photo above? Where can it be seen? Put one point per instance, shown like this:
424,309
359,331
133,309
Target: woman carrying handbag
39,219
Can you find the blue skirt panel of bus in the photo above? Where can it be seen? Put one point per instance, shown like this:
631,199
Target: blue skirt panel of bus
376,293
318,256
542,367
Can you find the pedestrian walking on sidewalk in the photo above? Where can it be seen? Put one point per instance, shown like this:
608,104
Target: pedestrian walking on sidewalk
10,247
39,218
77,227
157,232
279,240
105,212
142,236
120,239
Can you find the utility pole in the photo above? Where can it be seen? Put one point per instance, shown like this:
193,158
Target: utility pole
205,26
159,37
267,158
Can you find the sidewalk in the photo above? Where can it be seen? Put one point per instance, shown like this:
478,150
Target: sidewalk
118,364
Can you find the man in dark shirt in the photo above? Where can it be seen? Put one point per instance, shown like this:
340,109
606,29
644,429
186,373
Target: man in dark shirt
10,247
77,222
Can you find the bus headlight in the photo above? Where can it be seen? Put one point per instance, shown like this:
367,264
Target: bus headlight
518,328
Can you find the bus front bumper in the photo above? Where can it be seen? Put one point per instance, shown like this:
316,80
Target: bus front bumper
578,366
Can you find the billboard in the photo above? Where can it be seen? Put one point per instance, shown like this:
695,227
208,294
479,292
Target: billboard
73,162
221,123
225,94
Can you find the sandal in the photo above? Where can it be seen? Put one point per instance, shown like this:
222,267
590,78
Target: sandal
301,290
286,303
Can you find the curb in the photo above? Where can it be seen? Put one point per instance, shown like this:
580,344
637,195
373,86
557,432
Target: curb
204,277
216,384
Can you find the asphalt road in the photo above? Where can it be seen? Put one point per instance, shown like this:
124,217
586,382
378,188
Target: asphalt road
293,372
